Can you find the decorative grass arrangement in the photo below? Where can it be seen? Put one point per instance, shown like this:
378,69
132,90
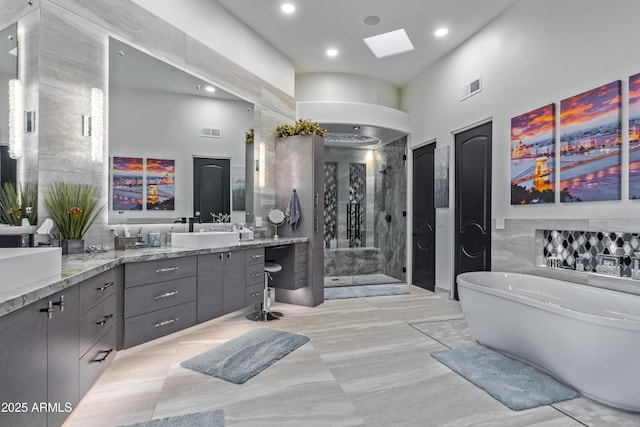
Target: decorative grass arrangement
249,136
301,127
18,202
73,207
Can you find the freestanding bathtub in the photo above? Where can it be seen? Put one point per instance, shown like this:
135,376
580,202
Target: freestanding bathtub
587,337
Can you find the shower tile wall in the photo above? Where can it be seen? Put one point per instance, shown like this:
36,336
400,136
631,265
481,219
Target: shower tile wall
330,204
356,225
342,158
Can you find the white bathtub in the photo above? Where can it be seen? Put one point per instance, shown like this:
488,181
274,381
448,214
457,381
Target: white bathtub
587,337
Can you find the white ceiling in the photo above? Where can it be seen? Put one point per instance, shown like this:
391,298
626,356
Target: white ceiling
318,25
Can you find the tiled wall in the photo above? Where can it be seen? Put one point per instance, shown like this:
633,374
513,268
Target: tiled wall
330,203
578,250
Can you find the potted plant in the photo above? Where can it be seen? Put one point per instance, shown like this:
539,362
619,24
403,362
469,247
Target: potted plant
74,208
300,127
17,203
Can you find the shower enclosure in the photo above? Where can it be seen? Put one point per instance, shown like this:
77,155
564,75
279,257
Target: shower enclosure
364,214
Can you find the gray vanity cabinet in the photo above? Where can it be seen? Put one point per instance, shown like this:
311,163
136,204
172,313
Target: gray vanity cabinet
39,370
159,298
307,178
99,319
226,281
23,366
210,287
233,274
62,356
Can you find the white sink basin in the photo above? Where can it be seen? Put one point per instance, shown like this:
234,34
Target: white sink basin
205,239
20,266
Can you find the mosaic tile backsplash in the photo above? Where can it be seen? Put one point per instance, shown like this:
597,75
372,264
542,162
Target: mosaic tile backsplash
585,250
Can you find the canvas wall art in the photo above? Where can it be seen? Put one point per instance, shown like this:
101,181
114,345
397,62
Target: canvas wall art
590,145
634,137
533,156
161,187
127,184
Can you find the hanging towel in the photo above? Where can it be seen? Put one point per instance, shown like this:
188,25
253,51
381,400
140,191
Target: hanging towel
293,211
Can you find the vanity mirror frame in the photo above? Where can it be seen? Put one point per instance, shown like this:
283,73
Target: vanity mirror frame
143,122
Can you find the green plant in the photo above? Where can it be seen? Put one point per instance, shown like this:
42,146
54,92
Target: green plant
73,207
249,136
300,127
17,203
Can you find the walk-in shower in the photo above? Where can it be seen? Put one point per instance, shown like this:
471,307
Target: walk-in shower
364,214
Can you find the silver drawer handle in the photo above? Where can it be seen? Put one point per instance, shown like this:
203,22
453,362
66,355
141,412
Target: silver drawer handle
302,263
256,275
256,256
256,294
105,286
168,294
103,321
166,270
165,322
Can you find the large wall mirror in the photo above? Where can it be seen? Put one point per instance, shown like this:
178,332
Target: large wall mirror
8,71
162,122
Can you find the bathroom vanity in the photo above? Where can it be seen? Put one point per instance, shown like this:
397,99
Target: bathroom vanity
59,335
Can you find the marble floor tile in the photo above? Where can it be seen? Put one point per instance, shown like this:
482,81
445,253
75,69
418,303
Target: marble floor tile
451,333
368,363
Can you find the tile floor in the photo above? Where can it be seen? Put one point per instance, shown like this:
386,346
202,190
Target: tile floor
367,364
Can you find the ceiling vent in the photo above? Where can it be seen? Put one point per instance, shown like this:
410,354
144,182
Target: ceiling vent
470,88
210,133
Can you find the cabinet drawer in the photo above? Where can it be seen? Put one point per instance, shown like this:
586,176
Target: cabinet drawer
300,264
97,359
99,287
142,273
154,325
254,256
254,274
301,249
95,322
148,298
254,294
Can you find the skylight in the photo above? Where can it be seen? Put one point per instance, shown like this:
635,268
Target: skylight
391,43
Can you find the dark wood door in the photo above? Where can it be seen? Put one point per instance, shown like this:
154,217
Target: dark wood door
473,201
424,217
211,187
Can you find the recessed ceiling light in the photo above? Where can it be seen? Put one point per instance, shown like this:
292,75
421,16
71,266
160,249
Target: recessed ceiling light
332,52
391,43
440,32
210,89
288,8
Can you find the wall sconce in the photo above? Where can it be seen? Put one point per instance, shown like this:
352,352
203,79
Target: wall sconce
261,167
93,125
16,118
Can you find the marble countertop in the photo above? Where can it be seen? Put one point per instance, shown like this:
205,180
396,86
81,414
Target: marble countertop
77,268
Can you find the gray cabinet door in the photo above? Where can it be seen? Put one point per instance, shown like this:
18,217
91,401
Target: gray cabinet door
210,287
62,355
23,366
234,280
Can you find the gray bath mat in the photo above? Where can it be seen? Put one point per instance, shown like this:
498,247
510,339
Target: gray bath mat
199,419
515,384
243,357
343,292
